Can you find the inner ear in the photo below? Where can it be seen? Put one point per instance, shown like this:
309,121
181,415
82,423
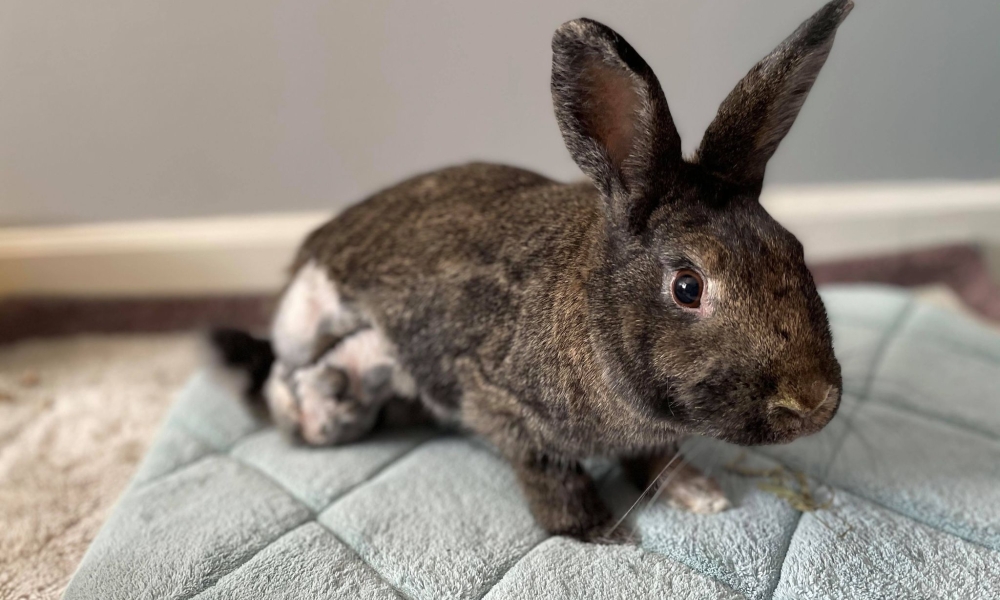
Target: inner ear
612,107
613,117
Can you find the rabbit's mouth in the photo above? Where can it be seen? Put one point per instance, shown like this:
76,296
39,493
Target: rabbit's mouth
777,420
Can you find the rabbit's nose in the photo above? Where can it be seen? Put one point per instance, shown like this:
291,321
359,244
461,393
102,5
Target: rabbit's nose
811,399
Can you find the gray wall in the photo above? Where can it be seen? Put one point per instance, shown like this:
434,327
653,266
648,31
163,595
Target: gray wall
132,109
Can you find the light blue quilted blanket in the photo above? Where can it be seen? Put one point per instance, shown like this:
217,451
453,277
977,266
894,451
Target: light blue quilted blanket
223,507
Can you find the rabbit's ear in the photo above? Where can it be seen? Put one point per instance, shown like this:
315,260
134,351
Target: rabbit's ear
612,114
757,114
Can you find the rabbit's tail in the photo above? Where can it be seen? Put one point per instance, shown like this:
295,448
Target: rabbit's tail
241,351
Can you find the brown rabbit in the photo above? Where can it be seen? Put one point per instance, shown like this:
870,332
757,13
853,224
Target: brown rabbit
562,321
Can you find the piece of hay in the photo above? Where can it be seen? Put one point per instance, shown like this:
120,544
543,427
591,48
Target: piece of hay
793,487
789,485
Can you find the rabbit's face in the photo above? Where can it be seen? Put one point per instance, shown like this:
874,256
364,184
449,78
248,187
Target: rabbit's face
702,307
741,346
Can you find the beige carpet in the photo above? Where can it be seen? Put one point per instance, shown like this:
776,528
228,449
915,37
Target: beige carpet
76,415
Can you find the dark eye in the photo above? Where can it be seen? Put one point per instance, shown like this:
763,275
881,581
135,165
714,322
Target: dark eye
687,288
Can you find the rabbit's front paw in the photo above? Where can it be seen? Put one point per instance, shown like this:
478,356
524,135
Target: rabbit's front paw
689,489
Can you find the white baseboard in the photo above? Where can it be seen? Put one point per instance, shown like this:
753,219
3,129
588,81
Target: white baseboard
837,222
244,254
171,257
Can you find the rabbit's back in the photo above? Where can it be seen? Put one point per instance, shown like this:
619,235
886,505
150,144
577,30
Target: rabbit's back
473,215
465,263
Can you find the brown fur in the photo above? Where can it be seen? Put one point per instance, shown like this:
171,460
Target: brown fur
536,311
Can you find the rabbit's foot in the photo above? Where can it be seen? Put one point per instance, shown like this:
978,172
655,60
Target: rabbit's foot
564,500
691,490
677,483
312,403
336,399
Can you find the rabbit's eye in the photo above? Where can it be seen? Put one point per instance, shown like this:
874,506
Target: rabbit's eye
686,288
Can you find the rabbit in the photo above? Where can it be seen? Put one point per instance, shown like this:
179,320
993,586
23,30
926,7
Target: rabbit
612,317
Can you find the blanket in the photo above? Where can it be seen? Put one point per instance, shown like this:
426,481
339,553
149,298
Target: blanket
907,474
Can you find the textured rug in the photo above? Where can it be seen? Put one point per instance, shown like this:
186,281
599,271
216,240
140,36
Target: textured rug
76,415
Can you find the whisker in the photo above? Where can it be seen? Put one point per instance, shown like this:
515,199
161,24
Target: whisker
663,486
643,494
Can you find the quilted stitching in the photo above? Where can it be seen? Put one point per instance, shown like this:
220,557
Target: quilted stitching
250,558
312,519
866,395
601,481
228,453
880,351
513,566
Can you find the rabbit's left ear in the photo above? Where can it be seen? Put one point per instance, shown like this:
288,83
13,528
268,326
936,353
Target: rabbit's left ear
613,117
757,114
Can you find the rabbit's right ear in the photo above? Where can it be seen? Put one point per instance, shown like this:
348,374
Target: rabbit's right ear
613,116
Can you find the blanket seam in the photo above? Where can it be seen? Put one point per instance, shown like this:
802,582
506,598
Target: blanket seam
889,400
499,579
226,452
214,451
249,558
363,561
374,474
917,520
193,432
336,498
880,351
966,349
773,587
847,490
313,514
270,479
599,484
371,477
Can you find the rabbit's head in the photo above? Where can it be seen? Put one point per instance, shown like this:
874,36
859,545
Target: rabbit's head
702,308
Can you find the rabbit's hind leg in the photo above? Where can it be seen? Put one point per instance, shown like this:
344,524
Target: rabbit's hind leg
312,316
337,398
333,371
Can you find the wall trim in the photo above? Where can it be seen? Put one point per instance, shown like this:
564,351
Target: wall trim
217,255
249,254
